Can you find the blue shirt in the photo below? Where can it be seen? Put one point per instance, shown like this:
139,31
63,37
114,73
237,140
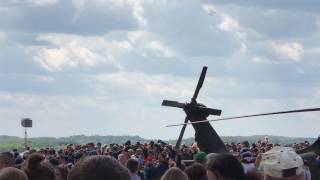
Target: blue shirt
135,177
318,163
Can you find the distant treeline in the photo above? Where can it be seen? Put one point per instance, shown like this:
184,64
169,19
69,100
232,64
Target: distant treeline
253,139
11,142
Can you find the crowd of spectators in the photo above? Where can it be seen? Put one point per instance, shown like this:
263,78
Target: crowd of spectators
155,161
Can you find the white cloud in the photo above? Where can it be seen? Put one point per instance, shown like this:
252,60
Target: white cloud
70,51
73,51
40,3
161,50
57,59
138,13
134,44
289,50
149,44
258,59
135,7
228,24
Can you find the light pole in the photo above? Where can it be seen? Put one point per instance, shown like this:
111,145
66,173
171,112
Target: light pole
26,123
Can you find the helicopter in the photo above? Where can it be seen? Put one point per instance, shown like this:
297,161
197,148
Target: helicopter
207,138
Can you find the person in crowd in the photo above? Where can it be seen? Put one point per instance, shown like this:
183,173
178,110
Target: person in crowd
61,172
37,169
201,157
54,162
123,158
11,173
154,159
174,174
194,149
247,161
306,170
318,161
244,146
162,165
282,163
196,172
17,158
178,162
98,167
210,157
225,166
139,155
149,170
133,166
186,152
6,160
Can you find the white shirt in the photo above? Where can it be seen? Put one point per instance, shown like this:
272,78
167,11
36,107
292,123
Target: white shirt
248,167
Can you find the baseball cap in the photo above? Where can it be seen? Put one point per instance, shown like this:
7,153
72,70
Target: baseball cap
281,162
200,156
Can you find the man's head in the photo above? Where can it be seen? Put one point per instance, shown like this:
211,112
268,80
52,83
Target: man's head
194,148
133,165
99,168
245,144
36,168
196,172
201,157
6,160
282,163
123,158
11,173
246,157
225,166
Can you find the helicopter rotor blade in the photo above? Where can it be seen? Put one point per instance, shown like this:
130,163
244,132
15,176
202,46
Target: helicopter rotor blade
200,83
173,104
253,115
181,133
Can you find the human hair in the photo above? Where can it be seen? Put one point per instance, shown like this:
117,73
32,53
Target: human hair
11,173
98,167
36,169
174,174
196,172
6,160
226,166
54,162
132,165
61,172
245,144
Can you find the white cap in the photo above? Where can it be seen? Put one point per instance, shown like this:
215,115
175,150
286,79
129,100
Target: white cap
281,162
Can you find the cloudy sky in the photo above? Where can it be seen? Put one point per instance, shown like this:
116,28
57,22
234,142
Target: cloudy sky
104,66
